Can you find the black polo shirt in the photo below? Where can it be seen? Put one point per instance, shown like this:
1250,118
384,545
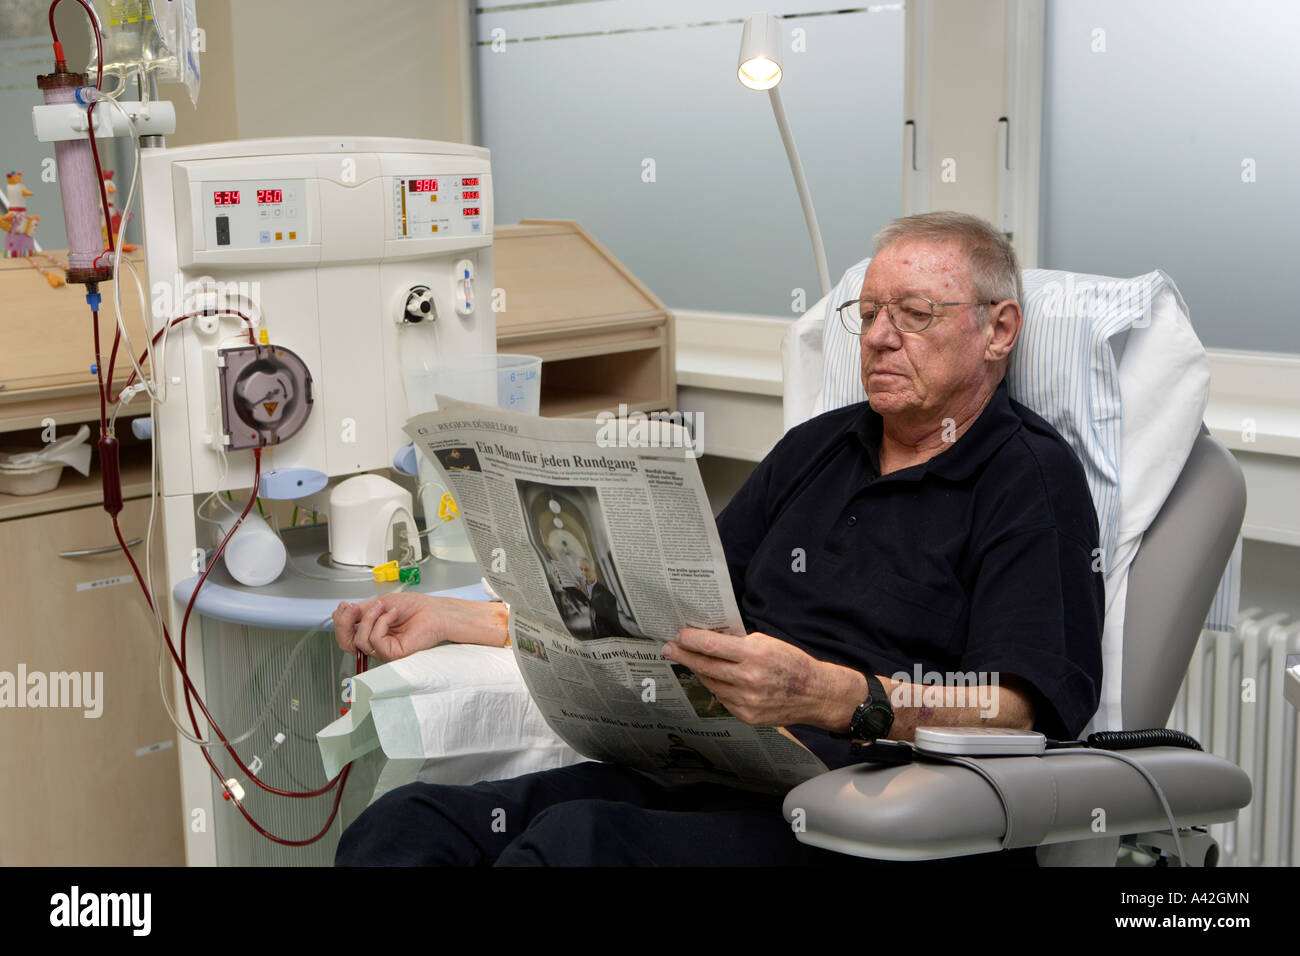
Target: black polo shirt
979,559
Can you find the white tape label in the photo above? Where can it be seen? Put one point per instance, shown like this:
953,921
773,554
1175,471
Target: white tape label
104,582
153,748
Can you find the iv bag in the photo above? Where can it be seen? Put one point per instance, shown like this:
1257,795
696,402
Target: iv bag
144,38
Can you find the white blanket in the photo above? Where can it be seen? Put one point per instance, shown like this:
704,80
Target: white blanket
461,710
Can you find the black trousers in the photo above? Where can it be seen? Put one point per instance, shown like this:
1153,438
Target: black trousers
589,814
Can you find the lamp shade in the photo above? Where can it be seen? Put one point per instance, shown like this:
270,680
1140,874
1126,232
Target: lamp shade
760,52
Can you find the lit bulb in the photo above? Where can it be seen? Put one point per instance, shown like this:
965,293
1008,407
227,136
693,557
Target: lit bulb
760,73
760,52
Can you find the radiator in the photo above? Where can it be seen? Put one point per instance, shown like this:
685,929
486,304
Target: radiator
1232,702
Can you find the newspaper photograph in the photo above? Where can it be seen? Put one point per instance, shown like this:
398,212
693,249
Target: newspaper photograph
601,540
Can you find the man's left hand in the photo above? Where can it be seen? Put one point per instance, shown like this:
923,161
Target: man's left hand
760,679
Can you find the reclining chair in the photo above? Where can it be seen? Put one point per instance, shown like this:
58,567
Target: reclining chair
1074,804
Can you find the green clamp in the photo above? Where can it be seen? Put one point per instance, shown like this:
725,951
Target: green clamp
409,575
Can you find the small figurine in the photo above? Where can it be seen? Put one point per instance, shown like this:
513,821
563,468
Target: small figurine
20,226
50,271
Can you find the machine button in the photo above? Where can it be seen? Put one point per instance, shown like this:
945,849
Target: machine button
264,236
291,212
279,236
293,235
264,212
223,230
278,212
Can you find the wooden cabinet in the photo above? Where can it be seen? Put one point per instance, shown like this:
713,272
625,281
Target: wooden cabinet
75,789
603,337
47,344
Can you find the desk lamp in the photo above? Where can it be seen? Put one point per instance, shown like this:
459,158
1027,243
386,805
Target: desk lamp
760,69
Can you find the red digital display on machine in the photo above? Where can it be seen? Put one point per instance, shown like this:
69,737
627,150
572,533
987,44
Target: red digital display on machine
471,210
470,194
422,185
270,195
225,197
469,181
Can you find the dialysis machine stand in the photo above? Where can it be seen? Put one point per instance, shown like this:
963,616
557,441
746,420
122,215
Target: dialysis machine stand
333,246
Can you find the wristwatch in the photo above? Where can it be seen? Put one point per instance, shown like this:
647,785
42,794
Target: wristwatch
874,716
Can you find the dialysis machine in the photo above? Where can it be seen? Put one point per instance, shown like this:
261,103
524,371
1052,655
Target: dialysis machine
317,275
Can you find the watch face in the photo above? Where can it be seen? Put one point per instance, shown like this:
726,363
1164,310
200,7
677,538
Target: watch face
871,721
880,719
861,725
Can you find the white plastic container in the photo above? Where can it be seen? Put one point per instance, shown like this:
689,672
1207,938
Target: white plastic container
255,555
31,481
34,471
447,539
508,381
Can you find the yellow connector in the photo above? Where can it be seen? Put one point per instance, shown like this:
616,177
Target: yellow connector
263,338
385,572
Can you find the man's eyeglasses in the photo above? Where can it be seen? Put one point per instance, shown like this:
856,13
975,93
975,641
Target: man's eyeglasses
910,313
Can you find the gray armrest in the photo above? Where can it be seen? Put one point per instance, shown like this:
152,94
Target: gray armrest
927,810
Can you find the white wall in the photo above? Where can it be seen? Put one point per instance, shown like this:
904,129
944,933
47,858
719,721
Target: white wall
578,99
323,67
1170,141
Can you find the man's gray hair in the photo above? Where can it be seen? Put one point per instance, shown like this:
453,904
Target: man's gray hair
993,264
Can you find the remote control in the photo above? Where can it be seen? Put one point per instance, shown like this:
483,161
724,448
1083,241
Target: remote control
980,741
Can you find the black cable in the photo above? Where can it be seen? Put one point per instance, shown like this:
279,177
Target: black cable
1132,739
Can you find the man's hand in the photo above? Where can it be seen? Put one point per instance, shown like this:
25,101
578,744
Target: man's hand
395,625
762,680
389,626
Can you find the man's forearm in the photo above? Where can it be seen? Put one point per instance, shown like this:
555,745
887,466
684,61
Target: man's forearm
924,705
917,705
474,622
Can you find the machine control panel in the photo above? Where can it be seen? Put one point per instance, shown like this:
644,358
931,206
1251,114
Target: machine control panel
433,206
254,213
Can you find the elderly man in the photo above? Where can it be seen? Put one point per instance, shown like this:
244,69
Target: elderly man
940,526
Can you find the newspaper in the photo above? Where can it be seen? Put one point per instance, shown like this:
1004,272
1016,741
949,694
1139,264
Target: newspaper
601,540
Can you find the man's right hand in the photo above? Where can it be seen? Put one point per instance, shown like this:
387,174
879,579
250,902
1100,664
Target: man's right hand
395,625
